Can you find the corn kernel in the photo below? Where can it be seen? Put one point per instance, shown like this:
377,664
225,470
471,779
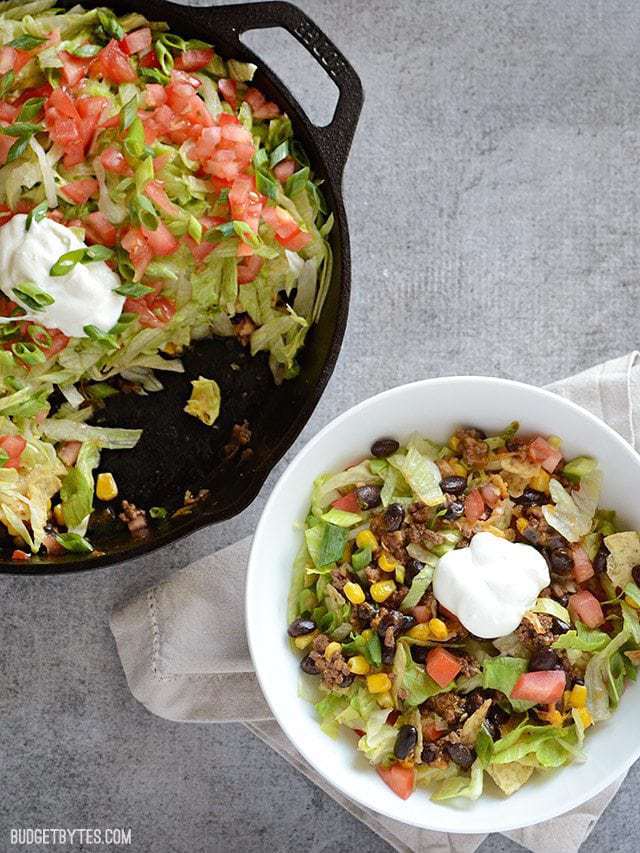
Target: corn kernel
366,539
332,649
387,563
555,441
106,488
354,592
555,718
358,665
522,525
458,469
578,696
305,640
585,716
384,700
58,514
454,442
438,629
540,481
419,632
346,552
379,682
628,600
381,590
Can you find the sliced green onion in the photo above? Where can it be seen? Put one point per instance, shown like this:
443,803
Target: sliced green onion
74,542
260,159
21,128
26,42
97,253
128,113
225,228
157,512
194,229
164,57
31,296
110,24
30,109
100,337
40,335
124,320
6,83
134,143
67,262
28,353
174,41
279,153
144,213
298,152
84,51
297,181
37,214
134,289
17,149
154,75
144,173
266,185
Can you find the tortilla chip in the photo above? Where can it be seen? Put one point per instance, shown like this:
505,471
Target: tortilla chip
510,777
624,554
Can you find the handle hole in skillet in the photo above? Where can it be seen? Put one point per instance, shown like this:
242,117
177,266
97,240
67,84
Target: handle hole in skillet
314,90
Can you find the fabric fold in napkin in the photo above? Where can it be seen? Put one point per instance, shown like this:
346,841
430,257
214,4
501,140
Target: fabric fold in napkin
185,655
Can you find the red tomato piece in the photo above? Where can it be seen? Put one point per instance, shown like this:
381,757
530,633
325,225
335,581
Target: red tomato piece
149,60
5,146
260,107
7,59
80,191
114,161
113,64
13,445
8,112
421,613
542,452
157,193
401,779
544,687
52,546
74,68
161,241
490,495
442,666
138,41
585,606
69,452
348,503
155,95
229,91
473,506
285,169
582,568
20,555
248,269
58,342
139,253
193,60
99,229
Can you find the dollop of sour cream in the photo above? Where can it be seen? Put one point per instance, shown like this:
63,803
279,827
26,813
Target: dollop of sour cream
491,584
83,297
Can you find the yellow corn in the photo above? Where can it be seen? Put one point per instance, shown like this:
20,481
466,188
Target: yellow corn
419,632
438,629
578,696
555,441
522,524
379,682
586,717
331,650
628,600
454,442
385,700
358,665
458,468
540,481
58,514
346,552
106,488
354,592
555,718
305,640
366,539
387,563
381,590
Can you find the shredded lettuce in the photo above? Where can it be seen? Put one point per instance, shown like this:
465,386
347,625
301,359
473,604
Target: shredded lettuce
602,680
379,738
111,438
422,475
552,608
77,489
583,639
204,402
419,585
624,554
410,682
470,787
572,512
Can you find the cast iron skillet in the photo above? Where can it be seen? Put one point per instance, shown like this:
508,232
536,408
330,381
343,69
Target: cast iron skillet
178,453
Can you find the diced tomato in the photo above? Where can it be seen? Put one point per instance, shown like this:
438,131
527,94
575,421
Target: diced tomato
544,687
582,568
421,613
401,779
473,506
248,269
138,41
200,250
58,342
62,102
193,60
490,495
161,241
153,311
114,161
68,453
74,68
8,112
348,502
542,452
154,95
297,242
5,146
260,107
42,91
7,59
21,59
20,555
99,229
281,221
113,64
157,193
431,731
229,91
52,546
442,666
585,606
285,169
80,191
149,60
139,251
13,445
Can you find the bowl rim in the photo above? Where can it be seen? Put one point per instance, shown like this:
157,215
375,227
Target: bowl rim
469,825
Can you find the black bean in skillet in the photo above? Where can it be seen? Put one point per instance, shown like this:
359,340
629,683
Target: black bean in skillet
405,742
368,496
600,561
561,561
453,485
497,715
635,574
461,754
545,659
384,447
560,627
531,497
429,753
393,518
454,510
300,627
308,665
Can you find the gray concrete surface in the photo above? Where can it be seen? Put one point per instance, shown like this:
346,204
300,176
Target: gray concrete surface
493,195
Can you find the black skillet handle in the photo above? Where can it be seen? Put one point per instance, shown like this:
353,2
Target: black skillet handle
335,139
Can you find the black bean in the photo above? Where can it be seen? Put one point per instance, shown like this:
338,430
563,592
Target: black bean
429,753
635,574
461,754
560,627
578,681
347,680
453,485
405,742
545,659
497,715
532,536
531,497
554,541
600,560
388,654
393,518
411,569
368,496
564,601
383,447
476,698
308,665
419,653
365,612
399,622
492,730
300,627
454,510
561,561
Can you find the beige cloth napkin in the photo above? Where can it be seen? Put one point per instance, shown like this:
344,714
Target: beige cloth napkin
185,655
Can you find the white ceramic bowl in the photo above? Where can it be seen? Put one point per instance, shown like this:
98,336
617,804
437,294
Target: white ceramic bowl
433,408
